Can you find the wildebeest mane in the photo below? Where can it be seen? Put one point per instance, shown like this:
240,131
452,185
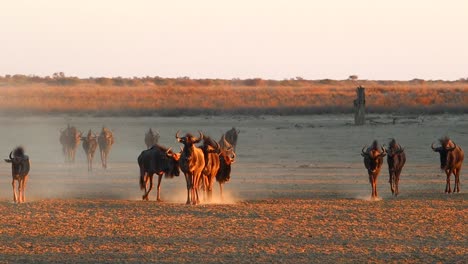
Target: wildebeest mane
444,141
375,145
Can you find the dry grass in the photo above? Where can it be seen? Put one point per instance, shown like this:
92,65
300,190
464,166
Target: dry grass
148,98
429,230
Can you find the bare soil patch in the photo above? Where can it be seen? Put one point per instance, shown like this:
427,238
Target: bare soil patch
413,230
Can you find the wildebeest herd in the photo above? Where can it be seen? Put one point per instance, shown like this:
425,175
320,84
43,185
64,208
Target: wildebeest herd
451,159
204,160
201,165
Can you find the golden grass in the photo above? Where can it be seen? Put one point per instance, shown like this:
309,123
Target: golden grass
307,97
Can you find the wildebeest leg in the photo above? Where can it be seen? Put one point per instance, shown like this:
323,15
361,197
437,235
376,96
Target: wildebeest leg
397,180
188,180
211,181
221,191
195,199
198,179
204,182
158,197
103,162
456,188
105,159
150,177
447,185
392,182
23,188
15,197
374,187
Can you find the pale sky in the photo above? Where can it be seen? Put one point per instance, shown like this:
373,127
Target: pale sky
374,39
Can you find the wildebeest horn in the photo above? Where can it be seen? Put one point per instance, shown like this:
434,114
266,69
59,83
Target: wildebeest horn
362,151
177,135
201,136
10,155
384,151
227,145
168,151
434,149
217,145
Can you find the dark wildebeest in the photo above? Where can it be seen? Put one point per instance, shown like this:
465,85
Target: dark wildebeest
192,164
151,138
70,139
159,160
451,159
89,147
211,152
231,137
19,172
226,158
396,159
373,160
105,141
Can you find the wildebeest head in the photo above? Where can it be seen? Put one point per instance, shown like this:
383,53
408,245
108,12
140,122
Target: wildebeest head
231,136
189,139
151,138
210,145
224,144
373,156
90,136
446,146
394,148
19,162
173,163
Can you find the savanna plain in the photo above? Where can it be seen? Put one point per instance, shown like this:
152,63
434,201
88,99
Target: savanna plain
298,193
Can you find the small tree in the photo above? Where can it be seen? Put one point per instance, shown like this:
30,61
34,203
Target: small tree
353,77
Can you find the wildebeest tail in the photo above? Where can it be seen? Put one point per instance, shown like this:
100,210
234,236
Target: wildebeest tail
142,173
142,180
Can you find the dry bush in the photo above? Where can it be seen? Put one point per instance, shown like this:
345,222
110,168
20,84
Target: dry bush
189,97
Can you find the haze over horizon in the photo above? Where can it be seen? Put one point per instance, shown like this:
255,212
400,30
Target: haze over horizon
375,40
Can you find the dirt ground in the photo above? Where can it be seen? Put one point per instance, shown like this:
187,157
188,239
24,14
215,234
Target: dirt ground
298,194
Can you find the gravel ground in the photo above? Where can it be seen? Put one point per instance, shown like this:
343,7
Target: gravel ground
325,230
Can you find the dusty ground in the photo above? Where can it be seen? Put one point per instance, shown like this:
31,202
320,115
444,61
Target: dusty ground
299,193
411,230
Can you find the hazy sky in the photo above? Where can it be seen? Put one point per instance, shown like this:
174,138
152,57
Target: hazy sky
374,39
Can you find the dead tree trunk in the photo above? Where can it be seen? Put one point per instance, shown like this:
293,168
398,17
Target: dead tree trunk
360,107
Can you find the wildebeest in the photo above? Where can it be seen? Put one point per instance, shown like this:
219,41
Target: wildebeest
151,138
451,160
19,171
70,138
105,141
89,147
159,160
226,158
192,164
231,137
373,160
211,152
396,159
